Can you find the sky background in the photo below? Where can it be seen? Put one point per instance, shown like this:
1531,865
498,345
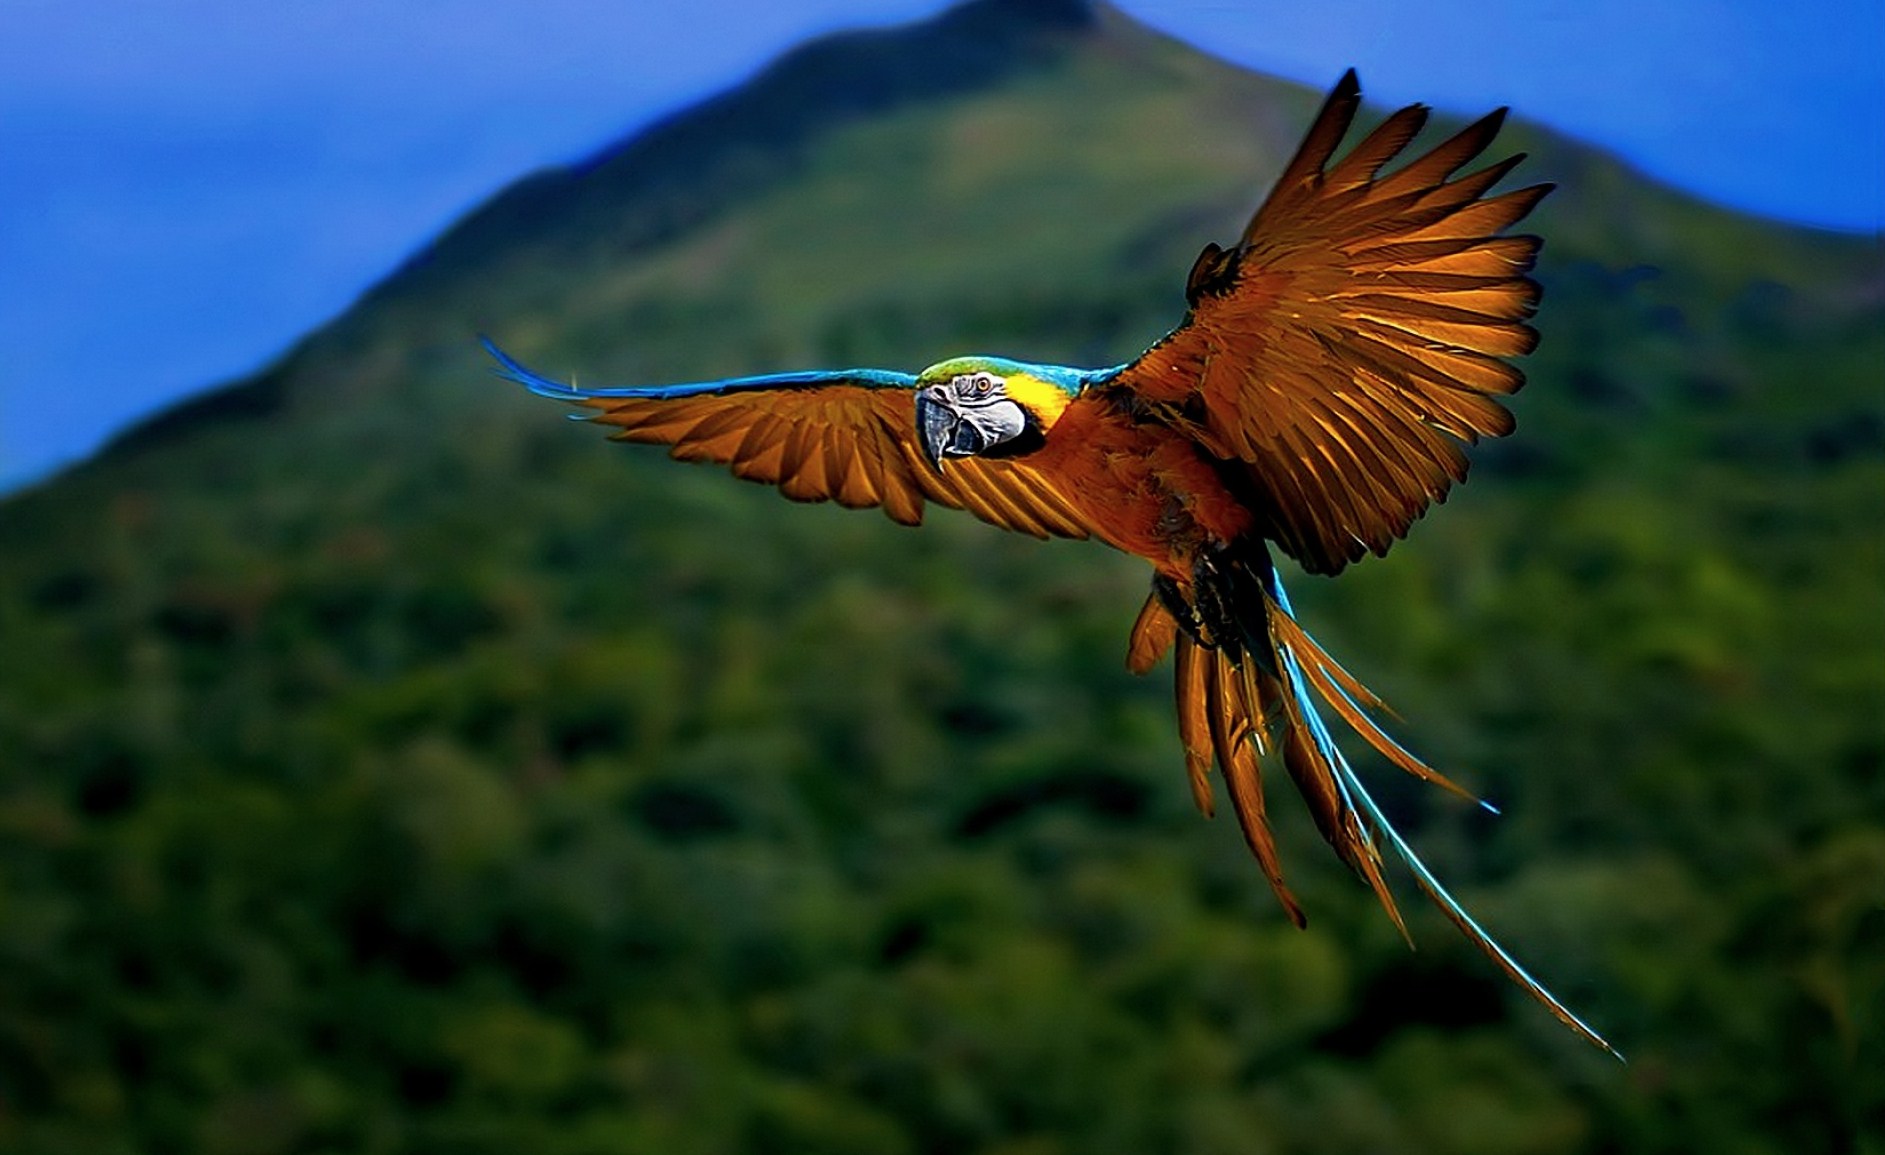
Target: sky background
187,186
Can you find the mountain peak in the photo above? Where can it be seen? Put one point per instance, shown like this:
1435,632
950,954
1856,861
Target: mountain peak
1023,13
689,165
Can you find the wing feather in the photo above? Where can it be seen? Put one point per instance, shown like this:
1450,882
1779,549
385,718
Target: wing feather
801,440
1431,170
761,455
854,488
1357,169
713,425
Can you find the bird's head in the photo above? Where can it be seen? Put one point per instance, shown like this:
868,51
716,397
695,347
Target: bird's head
989,407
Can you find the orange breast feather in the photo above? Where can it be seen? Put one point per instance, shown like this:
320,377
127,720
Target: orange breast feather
1144,489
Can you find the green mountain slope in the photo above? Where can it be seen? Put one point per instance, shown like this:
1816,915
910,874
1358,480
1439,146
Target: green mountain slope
387,765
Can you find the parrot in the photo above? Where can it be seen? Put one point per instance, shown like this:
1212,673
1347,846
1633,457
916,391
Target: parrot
1315,399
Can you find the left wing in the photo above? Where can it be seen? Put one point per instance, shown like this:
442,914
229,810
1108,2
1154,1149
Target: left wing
843,436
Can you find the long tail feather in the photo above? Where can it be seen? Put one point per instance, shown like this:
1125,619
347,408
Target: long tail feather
1231,733
1312,759
1339,689
1194,724
1303,665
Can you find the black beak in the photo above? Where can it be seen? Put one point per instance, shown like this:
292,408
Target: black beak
936,426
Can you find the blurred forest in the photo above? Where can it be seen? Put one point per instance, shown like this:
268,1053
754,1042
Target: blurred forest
387,765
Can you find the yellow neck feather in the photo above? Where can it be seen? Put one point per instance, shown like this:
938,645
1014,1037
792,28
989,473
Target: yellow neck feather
1047,402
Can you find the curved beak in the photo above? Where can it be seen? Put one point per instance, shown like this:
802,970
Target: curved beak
937,424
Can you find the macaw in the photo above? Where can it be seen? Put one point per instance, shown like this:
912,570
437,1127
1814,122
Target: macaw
1315,397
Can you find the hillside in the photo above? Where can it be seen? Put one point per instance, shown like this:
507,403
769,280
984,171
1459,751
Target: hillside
388,765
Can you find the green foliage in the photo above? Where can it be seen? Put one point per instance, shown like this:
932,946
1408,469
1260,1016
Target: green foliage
385,766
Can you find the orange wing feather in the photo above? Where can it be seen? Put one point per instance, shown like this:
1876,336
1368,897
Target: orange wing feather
843,443
1355,336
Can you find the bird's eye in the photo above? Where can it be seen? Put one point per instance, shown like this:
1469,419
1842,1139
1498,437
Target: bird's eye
983,383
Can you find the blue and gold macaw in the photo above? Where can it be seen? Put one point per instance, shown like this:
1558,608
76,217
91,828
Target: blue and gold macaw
1316,397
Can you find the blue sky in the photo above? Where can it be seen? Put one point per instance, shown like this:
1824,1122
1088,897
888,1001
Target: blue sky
186,186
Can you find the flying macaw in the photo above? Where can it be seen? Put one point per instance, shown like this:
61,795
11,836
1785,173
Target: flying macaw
1315,397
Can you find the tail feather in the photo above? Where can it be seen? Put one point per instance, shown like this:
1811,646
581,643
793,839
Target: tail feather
1338,687
1231,731
1476,934
1152,635
1261,694
1312,758
1351,685
1194,723
1228,706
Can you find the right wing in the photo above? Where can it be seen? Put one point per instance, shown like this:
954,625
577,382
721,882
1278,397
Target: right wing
843,436
1356,336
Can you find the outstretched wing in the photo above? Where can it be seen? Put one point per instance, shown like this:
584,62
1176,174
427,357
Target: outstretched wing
1355,336
843,436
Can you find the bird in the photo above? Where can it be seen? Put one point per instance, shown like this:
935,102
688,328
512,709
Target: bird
1317,396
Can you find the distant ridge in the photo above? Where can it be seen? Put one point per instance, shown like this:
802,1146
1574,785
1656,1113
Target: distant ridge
733,143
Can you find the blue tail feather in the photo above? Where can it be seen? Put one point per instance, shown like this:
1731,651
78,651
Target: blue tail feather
1352,792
